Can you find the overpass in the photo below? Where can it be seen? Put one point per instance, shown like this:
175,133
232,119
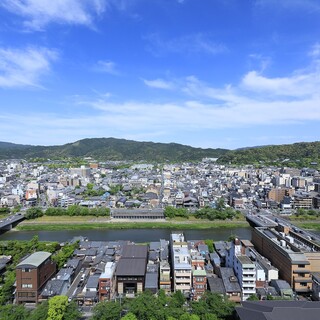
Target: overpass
261,221
10,222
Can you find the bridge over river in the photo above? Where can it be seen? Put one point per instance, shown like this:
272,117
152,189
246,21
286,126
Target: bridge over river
10,222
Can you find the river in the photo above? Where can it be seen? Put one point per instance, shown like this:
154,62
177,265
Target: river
135,235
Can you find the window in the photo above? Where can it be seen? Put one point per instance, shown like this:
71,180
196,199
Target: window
26,285
26,270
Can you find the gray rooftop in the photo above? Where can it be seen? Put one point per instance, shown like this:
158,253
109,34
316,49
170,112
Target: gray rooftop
131,267
229,279
34,260
278,310
216,285
135,251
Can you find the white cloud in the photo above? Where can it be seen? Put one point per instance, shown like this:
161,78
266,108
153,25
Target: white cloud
22,68
189,44
315,50
159,84
298,85
255,101
106,66
39,13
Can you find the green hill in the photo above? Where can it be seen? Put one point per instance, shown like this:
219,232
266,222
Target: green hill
302,154
110,149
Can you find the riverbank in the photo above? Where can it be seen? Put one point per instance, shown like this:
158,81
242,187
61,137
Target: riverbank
86,223
314,225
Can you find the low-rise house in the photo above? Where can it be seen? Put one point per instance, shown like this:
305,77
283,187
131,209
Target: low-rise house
107,282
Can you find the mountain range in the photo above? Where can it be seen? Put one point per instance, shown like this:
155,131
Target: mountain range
298,154
110,149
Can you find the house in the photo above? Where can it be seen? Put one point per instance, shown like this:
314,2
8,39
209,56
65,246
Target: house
107,282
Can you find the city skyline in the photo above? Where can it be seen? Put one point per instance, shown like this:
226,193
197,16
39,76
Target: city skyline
211,74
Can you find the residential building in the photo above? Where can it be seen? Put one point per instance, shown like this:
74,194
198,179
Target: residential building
181,264
32,274
107,282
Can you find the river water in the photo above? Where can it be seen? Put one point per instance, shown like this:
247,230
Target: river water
135,235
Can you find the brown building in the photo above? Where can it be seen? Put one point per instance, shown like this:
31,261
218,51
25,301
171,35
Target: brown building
293,254
199,283
32,274
278,194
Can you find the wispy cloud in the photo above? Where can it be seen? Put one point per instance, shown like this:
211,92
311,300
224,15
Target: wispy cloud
299,85
23,68
159,84
315,51
39,13
189,44
106,66
263,61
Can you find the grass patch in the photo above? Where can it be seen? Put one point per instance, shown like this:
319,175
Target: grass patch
309,225
174,225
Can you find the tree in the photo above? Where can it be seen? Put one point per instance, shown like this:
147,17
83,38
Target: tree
178,299
40,312
107,310
13,312
57,307
33,213
209,316
145,306
220,205
129,316
188,316
253,297
72,312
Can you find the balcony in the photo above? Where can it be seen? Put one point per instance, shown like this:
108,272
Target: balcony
182,287
183,274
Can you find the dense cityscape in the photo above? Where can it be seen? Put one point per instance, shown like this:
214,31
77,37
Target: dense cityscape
280,261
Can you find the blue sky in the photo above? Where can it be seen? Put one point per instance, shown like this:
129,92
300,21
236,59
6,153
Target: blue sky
206,73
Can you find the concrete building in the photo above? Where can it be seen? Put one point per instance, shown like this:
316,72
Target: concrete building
31,276
181,264
291,252
244,268
164,276
315,276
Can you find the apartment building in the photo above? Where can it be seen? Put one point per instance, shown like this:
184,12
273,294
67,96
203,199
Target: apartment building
302,201
164,278
244,268
181,264
32,274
